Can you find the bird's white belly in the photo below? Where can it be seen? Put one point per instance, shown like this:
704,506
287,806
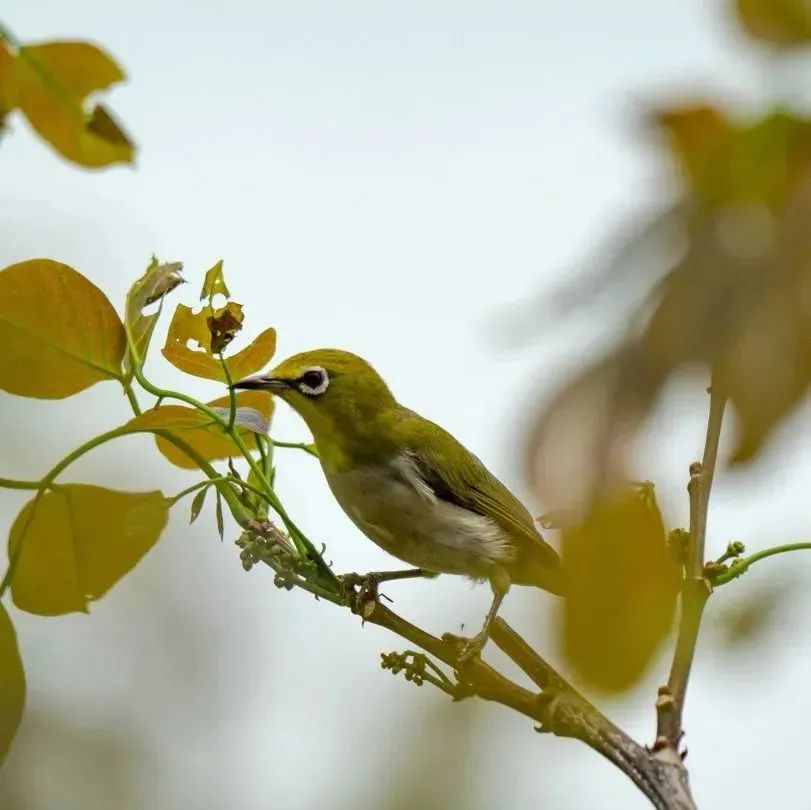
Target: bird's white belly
410,523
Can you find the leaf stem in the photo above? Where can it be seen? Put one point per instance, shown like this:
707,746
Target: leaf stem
10,483
232,395
740,566
307,448
199,485
133,399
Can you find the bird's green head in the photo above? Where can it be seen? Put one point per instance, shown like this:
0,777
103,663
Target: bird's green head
337,393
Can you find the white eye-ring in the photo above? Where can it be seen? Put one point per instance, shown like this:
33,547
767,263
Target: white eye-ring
313,382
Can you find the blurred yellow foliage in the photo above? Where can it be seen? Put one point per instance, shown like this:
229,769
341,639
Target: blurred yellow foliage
51,83
12,683
622,588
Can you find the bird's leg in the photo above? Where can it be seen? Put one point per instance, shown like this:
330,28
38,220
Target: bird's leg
368,584
500,583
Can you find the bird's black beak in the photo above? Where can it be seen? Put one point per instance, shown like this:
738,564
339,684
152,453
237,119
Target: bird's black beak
262,383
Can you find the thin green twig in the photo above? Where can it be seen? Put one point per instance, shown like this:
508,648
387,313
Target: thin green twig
232,394
133,400
307,448
740,566
199,485
10,483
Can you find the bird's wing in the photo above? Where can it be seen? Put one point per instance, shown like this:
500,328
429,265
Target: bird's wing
454,474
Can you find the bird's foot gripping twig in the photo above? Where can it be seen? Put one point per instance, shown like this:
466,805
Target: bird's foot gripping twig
469,648
362,591
364,599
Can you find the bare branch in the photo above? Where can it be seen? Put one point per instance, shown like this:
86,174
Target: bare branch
695,591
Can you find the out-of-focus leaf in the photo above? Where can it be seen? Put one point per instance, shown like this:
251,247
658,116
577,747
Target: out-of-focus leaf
157,281
214,283
53,82
254,410
736,305
12,684
212,330
77,541
622,588
782,23
746,164
197,504
58,332
8,83
748,620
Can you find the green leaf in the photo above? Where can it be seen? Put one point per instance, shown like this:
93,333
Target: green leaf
58,332
53,82
12,684
197,504
157,282
214,283
75,542
622,588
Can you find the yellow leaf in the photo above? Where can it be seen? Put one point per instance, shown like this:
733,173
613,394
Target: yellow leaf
77,541
205,327
58,332
784,23
158,281
8,81
53,82
622,588
254,410
12,684
214,283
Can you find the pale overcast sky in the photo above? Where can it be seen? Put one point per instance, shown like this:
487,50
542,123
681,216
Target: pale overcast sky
394,179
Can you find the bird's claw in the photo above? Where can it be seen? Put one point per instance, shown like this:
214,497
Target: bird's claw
469,648
362,600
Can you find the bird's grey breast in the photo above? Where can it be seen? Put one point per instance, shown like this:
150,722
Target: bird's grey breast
393,505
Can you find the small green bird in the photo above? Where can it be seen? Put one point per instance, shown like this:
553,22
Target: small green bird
407,484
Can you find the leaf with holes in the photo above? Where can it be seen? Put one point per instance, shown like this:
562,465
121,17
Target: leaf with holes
12,684
53,82
211,330
254,411
72,544
58,332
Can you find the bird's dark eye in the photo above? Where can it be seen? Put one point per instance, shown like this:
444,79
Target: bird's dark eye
313,382
312,379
